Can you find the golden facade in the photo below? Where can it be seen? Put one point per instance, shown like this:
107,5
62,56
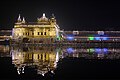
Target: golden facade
44,30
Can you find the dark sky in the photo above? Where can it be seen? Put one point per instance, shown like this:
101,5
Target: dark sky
70,14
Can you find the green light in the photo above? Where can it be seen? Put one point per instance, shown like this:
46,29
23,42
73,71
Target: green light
90,50
91,38
59,38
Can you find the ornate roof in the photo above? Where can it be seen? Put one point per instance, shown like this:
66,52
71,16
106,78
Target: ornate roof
43,18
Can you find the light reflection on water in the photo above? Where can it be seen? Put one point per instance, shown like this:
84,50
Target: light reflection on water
45,59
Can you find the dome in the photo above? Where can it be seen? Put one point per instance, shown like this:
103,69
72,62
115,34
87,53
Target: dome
43,18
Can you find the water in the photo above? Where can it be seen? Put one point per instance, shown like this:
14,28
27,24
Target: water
39,62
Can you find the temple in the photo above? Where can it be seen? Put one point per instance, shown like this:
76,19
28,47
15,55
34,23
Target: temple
44,30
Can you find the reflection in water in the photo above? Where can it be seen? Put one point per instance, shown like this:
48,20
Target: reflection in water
93,53
44,59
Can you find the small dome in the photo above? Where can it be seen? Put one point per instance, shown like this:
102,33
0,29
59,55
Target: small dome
43,18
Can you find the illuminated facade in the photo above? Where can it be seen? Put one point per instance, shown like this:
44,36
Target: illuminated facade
43,31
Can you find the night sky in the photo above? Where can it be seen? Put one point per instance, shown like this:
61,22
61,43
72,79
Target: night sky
70,14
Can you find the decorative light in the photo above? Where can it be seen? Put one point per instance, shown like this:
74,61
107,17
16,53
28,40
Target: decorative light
70,50
105,50
91,50
97,38
101,32
58,37
91,38
98,50
104,38
70,38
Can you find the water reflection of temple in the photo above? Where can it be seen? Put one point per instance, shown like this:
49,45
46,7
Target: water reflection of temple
44,59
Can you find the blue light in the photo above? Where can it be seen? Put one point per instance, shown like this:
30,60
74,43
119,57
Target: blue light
104,38
97,38
70,50
101,38
70,38
105,50
97,50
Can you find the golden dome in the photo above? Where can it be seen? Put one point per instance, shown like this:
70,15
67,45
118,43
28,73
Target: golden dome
43,18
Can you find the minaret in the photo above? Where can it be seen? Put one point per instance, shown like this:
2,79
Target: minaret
19,18
23,21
